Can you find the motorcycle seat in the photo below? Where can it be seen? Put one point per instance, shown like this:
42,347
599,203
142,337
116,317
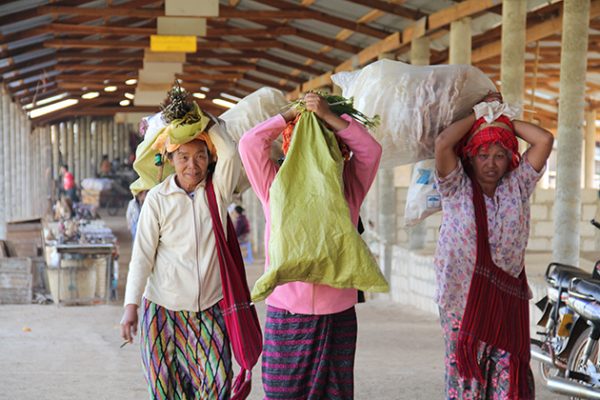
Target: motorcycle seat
560,275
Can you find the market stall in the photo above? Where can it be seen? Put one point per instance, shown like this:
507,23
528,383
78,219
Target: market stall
80,258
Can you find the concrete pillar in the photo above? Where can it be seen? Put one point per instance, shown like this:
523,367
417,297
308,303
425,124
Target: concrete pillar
512,70
36,173
15,167
105,134
77,150
460,42
386,204
573,64
49,168
590,148
6,155
63,144
71,147
3,185
94,147
419,51
87,153
27,159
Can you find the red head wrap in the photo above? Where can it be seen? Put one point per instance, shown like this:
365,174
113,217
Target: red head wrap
483,134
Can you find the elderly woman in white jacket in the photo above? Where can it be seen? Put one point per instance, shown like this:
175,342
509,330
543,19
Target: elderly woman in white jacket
174,274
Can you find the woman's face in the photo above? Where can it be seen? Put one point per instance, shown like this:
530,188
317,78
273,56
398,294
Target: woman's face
490,165
191,163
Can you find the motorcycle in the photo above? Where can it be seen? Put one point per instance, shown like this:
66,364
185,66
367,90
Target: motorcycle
570,314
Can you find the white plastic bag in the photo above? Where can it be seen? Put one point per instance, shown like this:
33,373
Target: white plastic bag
253,109
415,103
422,199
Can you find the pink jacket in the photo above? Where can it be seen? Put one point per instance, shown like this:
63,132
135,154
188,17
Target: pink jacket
359,173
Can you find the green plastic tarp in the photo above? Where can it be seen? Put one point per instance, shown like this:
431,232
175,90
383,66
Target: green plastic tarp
312,236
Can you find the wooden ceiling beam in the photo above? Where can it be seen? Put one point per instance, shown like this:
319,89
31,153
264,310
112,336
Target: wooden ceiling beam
97,67
143,13
391,8
266,82
46,95
214,77
394,42
193,68
126,31
73,55
18,75
328,18
533,33
32,89
5,52
272,72
309,54
117,78
12,64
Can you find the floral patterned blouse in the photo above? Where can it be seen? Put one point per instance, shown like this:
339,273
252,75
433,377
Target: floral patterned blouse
508,230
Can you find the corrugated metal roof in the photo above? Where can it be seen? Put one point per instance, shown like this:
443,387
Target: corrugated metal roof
307,52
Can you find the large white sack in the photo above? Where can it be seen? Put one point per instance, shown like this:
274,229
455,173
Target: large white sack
253,109
415,103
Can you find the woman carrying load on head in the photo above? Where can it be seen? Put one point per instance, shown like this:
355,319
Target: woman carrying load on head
310,331
482,289
174,272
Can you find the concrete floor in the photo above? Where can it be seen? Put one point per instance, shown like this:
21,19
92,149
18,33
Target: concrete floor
62,353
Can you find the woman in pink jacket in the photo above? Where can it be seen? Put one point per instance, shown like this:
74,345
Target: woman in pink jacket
310,330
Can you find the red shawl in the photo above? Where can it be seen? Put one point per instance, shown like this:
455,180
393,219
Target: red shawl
238,311
497,312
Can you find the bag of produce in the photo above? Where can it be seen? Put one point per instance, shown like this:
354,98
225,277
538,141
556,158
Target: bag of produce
415,103
312,236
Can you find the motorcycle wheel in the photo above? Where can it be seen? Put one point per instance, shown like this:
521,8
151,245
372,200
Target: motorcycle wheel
576,362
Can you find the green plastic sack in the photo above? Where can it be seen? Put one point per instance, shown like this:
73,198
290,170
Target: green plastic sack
312,236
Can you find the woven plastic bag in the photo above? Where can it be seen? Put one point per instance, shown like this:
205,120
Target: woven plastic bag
144,157
423,198
253,109
312,237
415,103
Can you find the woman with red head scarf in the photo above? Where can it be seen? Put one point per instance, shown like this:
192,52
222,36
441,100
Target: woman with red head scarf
482,290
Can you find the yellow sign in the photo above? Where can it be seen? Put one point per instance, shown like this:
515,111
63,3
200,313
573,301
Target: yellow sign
183,44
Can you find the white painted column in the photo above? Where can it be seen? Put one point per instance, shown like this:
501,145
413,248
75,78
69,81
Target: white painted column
460,42
590,148
3,185
55,136
386,204
70,146
15,166
573,64
512,73
76,150
6,178
419,51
